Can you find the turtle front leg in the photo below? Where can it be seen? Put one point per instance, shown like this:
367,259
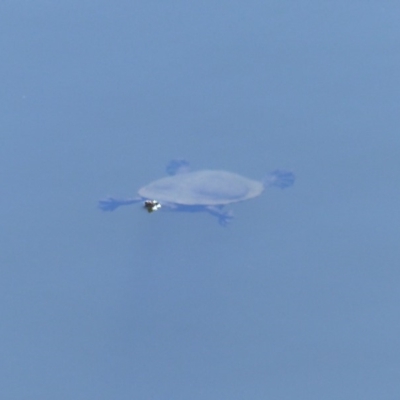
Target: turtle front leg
111,203
224,216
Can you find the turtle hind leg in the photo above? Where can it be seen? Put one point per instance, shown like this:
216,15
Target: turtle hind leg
111,203
177,167
279,178
225,219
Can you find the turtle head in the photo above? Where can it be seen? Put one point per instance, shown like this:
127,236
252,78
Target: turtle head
152,205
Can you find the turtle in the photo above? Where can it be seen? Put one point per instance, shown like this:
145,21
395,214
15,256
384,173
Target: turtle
204,190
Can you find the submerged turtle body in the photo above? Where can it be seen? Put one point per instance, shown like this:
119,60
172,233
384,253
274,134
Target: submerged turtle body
202,188
205,190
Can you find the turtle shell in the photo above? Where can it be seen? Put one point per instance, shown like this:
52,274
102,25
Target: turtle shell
203,188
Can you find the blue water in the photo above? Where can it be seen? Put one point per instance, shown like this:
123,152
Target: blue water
297,298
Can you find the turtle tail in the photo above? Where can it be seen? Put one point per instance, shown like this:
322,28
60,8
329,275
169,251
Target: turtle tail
279,178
